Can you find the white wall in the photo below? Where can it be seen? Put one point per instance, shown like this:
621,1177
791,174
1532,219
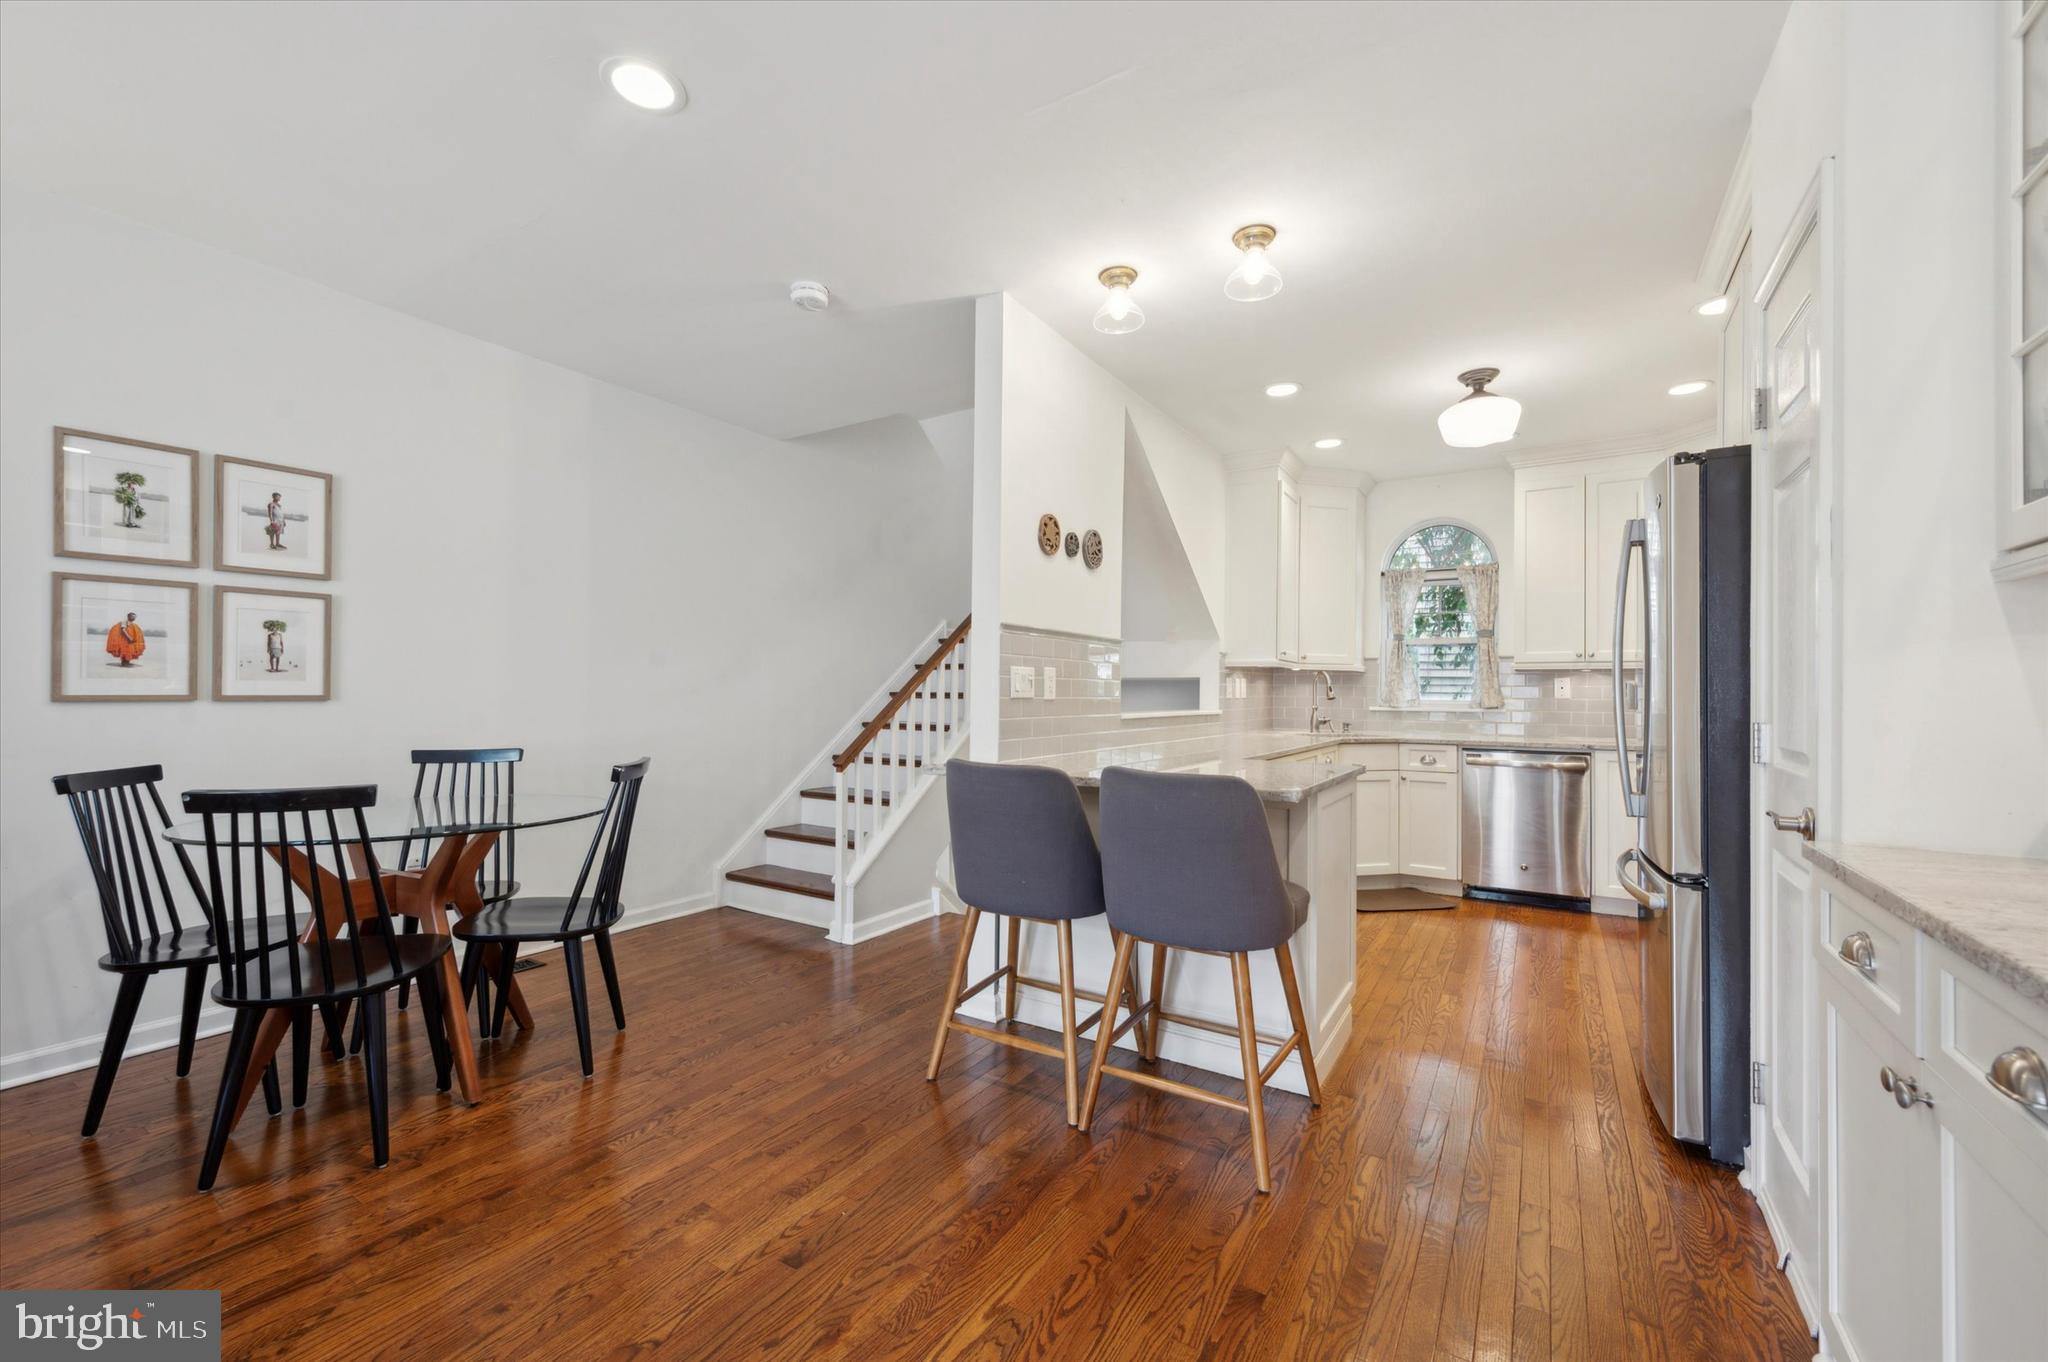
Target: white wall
1944,705
523,555
1059,447
1484,500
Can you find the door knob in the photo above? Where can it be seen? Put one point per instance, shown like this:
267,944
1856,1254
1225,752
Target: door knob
1802,823
1905,1091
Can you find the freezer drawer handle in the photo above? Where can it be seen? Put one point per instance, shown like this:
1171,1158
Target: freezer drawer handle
2020,1075
1858,949
1570,765
1641,893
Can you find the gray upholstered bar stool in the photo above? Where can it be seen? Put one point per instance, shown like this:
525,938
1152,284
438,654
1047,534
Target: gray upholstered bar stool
1022,850
1187,864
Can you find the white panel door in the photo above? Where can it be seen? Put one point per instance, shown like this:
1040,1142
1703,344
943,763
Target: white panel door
1288,630
1379,823
1429,824
1331,615
1612,500
1550,554
1791,482
1882,1220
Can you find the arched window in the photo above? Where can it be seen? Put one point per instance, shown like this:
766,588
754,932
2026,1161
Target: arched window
1442,637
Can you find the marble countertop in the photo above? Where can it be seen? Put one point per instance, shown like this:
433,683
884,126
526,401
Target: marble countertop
1292,744
1278,779
1991,910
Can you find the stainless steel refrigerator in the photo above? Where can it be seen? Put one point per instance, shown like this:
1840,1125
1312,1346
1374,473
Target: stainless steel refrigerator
1683,732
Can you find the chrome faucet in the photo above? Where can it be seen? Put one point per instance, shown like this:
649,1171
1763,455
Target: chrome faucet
1318,722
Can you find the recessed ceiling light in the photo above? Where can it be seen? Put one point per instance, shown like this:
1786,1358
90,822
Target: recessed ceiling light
1698,385
1282,389
1330,443
1713,307
644,85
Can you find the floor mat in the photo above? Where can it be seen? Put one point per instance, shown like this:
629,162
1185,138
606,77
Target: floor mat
1400,900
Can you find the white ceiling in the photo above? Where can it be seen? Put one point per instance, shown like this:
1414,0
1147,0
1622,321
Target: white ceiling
1525,185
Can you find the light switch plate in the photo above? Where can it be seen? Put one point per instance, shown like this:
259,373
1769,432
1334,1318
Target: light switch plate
1052,682
1561,688
1022,683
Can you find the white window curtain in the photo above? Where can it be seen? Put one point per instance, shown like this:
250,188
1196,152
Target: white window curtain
1400,591
1482,597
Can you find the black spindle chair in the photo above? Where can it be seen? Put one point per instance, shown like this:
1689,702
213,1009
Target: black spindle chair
119,814
514,922
347,954
467,784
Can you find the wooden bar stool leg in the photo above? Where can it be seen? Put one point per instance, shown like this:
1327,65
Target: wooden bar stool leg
1124,946
1069,1042
1158,997
954,983
1015,927
1248,1046
1293,990
1138,1034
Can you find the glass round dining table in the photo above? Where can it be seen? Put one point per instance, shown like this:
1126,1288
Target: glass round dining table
438,844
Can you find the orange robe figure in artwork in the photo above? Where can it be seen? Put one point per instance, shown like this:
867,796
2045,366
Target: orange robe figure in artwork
124,641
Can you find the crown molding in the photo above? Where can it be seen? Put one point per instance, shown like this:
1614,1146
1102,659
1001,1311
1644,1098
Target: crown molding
1616,447
1322,475
1283,460
1731,229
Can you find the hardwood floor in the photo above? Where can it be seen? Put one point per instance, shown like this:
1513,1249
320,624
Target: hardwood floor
760,1170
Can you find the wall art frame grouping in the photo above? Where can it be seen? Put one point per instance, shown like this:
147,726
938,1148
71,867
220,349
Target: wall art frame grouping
137,502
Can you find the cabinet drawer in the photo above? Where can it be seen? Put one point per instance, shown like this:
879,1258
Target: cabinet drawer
1971,1020
1887,986
1373,756
1417,756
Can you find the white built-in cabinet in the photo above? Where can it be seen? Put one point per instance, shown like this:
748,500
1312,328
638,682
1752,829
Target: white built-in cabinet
1429,824
1379,822
1570,523
1406,808
1293,568
1933,1189
1613,831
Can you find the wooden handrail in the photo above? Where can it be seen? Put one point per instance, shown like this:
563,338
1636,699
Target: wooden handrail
918,678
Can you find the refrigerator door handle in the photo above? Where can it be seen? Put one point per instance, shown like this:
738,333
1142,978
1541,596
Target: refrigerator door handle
1640,892
1634,798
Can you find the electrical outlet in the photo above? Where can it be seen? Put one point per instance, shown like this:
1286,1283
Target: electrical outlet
1052,682
1022,683
1561,688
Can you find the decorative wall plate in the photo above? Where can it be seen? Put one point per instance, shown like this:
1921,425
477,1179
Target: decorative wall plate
1048,534
1091,550
1073,543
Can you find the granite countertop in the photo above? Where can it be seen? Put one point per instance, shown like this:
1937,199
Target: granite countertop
1991,910
1278,780
1290,744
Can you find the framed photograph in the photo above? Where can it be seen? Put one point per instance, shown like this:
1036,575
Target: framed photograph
269,518
118,638
126,500
271,645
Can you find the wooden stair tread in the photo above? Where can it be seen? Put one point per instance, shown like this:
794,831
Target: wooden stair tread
783,877
817,834
865,796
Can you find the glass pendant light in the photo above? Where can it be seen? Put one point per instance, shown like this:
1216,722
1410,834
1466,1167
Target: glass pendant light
1254,278
1479,418
1119,312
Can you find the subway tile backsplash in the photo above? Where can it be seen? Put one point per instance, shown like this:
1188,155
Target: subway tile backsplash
1085,714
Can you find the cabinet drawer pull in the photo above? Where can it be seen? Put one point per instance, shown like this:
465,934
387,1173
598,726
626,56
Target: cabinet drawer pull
1861,952
1905,1091
2020,1074
1427,759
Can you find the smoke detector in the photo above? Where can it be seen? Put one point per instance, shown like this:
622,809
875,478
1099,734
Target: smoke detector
810,295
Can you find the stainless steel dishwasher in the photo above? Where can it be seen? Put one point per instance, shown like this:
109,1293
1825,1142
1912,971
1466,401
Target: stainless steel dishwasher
1523,826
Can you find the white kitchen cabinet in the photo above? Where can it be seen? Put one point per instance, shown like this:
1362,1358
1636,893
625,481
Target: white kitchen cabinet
1880,1217
1934,1215
1379,823
1613,830
1332,611
1293,574
1429,824
1570,520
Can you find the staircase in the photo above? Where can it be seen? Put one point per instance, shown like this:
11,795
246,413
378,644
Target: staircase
850,844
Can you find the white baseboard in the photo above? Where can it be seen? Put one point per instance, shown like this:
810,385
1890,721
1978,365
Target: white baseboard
51,1061
881,924
1795,1273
